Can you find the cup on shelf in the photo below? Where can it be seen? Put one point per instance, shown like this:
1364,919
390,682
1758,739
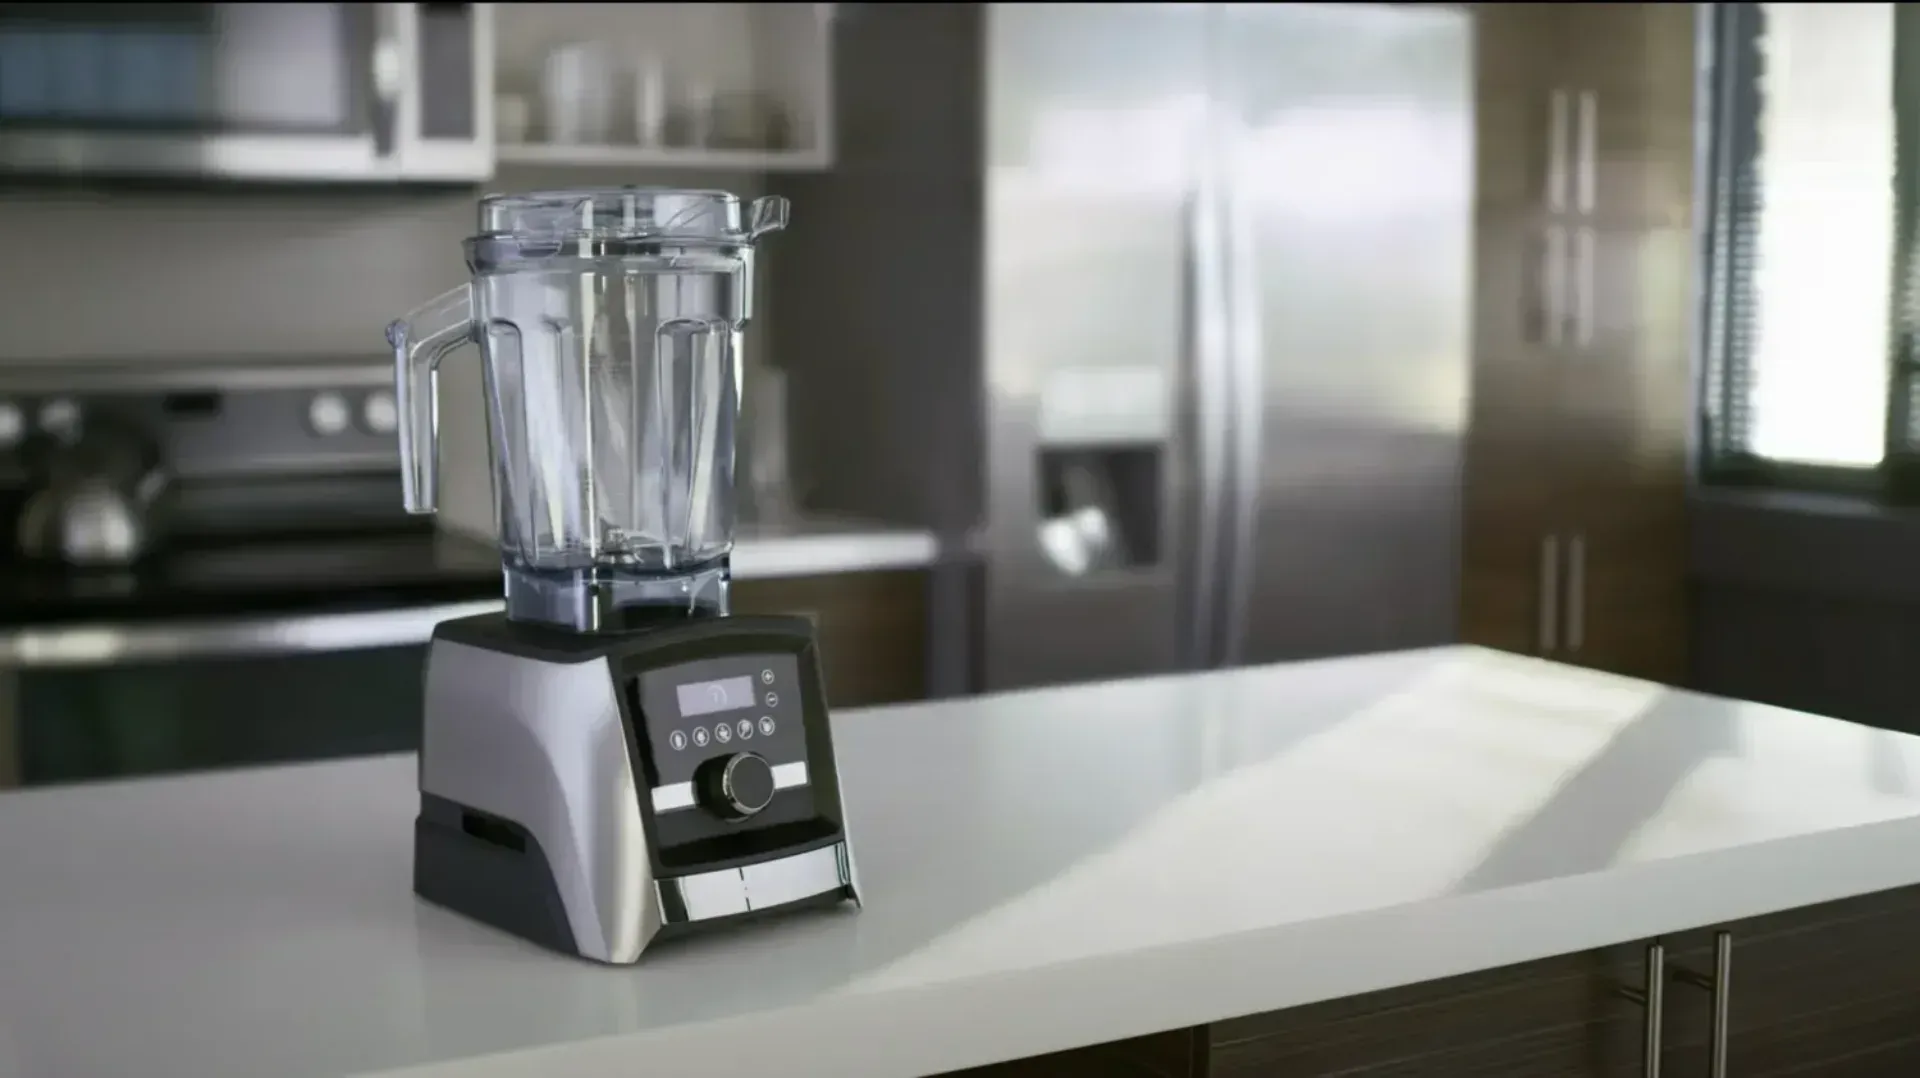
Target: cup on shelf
512,118
746,120
690,120
577,85
651,104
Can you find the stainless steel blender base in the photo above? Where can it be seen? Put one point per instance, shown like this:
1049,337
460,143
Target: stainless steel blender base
534,820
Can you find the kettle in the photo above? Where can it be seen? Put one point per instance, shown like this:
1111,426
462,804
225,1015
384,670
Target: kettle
96,504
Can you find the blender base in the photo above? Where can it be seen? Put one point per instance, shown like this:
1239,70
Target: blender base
596,794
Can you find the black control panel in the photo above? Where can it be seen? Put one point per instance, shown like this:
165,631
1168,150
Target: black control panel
699,711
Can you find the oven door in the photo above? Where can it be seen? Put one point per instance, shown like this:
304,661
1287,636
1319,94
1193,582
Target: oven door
308,92
102,701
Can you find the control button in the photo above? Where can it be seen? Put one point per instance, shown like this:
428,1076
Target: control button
734,787
700,737
773,699
328,414
744,728
766,677
13,424
379,413
766,725
60,417
677,739
722,733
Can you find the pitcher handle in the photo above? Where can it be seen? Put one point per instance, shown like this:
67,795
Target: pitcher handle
420,340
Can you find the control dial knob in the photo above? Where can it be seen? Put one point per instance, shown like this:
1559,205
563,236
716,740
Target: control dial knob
734,787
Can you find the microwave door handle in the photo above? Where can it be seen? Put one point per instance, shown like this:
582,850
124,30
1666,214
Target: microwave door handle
394,26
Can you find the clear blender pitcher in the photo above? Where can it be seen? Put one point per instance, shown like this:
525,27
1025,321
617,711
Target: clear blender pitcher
609,323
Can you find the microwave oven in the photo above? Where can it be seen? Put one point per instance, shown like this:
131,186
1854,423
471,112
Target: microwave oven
327,92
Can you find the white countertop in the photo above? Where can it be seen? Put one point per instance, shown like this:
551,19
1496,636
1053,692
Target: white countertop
1042,870
815,547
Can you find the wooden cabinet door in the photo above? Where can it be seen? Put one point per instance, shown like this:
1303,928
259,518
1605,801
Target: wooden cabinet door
1829,991
1511,482
1517,63
1178,1053
1554,1018
1628,73
1627,363
1510,486
872,630
1628,420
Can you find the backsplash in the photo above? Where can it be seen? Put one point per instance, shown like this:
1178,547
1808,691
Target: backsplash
265,272
245,272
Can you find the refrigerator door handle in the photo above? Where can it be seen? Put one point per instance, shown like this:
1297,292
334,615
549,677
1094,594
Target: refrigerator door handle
1586,184
1577,591
1548,638
1203,335
1559,107
1585,254
1553,301
1246,358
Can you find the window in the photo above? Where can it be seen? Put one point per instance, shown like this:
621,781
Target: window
1807,222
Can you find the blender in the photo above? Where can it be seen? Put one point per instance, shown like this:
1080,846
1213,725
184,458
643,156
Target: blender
614,759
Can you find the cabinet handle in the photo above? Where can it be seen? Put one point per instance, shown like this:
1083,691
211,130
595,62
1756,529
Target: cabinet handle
1576,591
1549,594
1559,120
1720,985
1586,181
1553,283
1651,995
390,64
1585,256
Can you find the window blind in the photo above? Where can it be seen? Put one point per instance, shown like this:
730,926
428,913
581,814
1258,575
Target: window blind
1802,230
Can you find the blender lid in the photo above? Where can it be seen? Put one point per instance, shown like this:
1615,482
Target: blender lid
662,214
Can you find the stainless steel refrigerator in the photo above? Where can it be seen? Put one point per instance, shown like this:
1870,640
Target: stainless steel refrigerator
1226,311
1157,314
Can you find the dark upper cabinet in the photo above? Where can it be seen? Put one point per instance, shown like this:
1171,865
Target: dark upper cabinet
1575,526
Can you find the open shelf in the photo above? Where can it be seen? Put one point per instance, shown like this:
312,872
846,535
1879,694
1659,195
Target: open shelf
779,55
668,157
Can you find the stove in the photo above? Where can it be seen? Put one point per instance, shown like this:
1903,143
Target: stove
265,557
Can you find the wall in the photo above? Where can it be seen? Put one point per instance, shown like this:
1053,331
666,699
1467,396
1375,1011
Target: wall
879,323
114,273
1808,602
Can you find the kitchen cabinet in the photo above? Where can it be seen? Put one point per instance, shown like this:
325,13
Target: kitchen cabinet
1179,1053
1574,502
872,629
1831,991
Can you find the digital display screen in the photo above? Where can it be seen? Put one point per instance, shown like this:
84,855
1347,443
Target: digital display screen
707,697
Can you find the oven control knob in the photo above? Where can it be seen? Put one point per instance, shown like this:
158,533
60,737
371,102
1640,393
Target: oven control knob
328,414
60,417
379,412
13,425
735,787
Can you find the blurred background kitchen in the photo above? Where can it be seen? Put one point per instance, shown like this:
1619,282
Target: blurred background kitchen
1107,339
